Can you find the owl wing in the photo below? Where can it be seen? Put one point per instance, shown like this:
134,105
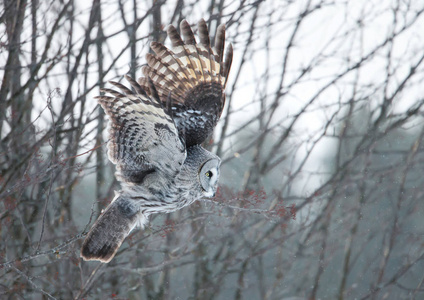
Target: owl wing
194,75
143,138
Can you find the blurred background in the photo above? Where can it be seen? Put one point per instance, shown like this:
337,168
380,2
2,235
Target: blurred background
321,189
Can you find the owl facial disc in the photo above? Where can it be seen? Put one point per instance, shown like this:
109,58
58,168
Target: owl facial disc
209,175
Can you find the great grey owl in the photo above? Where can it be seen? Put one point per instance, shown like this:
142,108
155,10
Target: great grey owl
155,132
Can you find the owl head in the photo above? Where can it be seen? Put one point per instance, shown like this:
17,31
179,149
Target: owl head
201,171
209,175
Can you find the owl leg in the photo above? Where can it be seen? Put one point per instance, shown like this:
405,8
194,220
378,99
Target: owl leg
109,231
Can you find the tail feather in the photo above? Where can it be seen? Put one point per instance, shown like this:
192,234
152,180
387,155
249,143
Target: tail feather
109,231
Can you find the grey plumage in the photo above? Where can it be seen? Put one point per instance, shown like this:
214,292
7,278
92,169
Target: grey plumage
110,230
155,133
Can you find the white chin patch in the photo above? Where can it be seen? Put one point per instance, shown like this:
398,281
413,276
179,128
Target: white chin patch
209,193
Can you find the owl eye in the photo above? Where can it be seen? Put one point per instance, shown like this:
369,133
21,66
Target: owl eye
208,174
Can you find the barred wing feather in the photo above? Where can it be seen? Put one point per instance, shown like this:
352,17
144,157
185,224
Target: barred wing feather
143,136
194,75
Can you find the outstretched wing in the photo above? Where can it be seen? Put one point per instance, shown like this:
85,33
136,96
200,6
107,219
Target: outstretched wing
143,138
194,75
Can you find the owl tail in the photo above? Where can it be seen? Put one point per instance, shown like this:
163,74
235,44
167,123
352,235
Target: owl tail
109,231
